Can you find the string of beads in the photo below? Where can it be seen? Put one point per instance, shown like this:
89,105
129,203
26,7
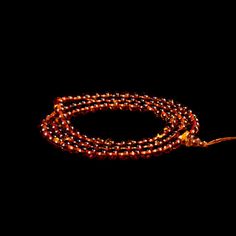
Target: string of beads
181,127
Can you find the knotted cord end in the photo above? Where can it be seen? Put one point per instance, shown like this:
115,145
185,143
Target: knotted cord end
191,141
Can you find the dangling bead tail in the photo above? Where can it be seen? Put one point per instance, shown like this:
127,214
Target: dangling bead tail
191,141
219,140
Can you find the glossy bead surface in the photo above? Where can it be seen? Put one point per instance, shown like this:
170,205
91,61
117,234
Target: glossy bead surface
181,126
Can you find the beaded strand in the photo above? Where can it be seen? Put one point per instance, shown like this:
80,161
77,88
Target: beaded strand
181,128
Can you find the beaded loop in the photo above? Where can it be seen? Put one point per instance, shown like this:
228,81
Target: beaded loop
181,126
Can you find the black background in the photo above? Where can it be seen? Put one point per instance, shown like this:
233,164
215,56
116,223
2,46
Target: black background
183,52
187,57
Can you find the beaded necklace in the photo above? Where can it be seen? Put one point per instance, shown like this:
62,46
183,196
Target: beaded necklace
181,128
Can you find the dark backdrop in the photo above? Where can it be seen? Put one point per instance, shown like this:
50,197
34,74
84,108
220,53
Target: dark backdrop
186,53
188,59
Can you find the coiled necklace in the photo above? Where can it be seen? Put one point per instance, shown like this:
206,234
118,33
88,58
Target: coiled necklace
182,126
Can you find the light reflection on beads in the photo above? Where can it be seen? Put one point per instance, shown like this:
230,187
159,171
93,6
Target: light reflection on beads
180,129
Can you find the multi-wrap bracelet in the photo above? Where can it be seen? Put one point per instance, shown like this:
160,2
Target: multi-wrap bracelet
181,128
